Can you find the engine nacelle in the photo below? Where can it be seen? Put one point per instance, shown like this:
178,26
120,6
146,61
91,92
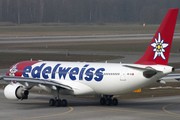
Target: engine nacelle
15,91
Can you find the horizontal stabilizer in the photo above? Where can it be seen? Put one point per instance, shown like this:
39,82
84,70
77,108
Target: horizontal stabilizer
175,76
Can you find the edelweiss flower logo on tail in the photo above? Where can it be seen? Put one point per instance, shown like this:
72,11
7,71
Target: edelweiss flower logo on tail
159,47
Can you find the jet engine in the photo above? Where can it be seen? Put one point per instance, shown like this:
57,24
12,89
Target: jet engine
15,91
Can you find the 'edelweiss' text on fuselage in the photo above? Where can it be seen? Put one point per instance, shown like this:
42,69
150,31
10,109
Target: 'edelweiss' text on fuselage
49,72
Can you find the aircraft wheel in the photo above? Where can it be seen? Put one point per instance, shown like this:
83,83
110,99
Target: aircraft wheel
64,102
115,101
51,102
58,102
108,101
102,101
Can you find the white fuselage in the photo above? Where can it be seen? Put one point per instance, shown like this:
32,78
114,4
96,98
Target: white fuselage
95,78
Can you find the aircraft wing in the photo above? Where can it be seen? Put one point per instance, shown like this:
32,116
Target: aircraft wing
22,80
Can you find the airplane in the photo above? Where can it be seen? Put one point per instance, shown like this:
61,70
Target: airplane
103,80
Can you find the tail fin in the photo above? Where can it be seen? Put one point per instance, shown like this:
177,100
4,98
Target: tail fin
159,48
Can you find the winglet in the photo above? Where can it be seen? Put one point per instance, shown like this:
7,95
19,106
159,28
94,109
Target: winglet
159,48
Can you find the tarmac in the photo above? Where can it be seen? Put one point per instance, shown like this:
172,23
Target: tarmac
37,108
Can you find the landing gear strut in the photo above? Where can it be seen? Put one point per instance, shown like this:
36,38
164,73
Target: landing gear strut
107,100
57,101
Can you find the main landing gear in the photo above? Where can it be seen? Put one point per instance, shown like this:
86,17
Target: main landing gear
107,100
57,101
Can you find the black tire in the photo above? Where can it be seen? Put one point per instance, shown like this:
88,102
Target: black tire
51,102
64,102
58,102
102,101
115,101
108,101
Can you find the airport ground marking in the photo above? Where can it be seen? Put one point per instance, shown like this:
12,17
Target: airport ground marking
127,109
124,110
71,109
102,109
164,109
46,116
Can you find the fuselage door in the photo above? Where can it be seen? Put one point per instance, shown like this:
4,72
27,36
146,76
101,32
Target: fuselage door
123,74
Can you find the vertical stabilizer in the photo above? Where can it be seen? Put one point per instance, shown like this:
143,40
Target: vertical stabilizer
159,48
